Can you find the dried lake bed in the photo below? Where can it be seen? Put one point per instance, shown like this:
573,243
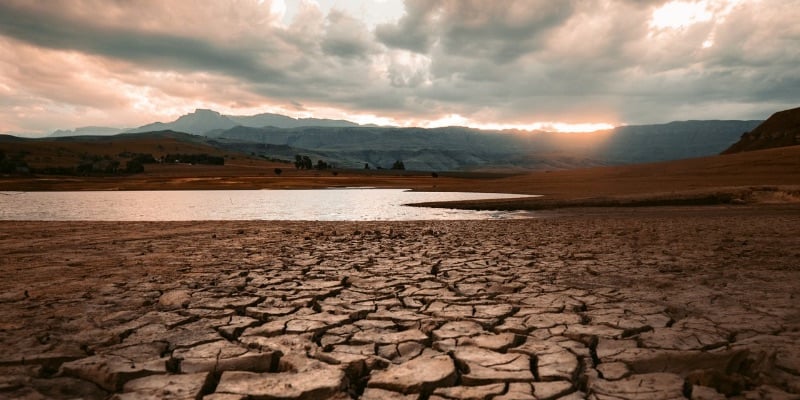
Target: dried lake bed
697,302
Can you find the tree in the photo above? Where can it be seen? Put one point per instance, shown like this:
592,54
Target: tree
298,161
366,165
322,165
112,167
398,165
203,158
5,165
85,168
307,164
434,174
134,167
144,158
278,171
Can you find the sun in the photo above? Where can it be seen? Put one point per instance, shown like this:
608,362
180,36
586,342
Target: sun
680,14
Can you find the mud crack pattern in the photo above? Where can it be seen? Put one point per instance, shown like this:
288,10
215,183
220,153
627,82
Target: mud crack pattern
693,304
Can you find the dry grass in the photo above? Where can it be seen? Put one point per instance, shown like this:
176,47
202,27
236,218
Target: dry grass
709,180
68,152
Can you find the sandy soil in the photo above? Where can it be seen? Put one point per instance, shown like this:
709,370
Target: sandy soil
696,302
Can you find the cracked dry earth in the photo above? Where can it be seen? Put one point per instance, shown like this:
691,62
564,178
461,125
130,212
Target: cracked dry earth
634,304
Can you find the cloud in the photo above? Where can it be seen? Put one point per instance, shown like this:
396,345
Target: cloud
346,37
415,30
154,47
66,63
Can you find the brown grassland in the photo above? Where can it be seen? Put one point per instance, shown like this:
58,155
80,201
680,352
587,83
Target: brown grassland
757,176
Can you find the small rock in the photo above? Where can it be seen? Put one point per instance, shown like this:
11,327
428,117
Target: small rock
111,371
500,342
486,366
174,299
549,320
316,384
470,392
551,390
225,396
687,334
766,392
189,386
553,361
706,393
224,356
381,394
422,374
645,386
613,371
456,329
381,338
68,388
518,391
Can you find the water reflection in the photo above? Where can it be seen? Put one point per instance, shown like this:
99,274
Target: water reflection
298,205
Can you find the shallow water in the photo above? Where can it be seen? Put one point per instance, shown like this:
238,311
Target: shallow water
357,204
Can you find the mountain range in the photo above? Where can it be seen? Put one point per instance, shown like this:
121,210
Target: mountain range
350,145
88,131
458,148
202,121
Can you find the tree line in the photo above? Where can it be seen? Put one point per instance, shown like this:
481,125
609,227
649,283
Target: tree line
92,164
398,165
13,163
304,162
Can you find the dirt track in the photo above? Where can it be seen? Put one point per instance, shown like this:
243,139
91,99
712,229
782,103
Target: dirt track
644,303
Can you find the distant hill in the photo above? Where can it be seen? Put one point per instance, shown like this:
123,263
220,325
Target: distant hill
88,131
209,122
671,141
420,149
196,123
282,121
780,130
68,152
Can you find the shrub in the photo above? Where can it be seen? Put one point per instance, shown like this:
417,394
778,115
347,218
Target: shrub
134,167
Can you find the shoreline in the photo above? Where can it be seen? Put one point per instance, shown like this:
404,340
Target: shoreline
736,196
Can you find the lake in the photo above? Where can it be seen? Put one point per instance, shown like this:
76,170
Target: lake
352,204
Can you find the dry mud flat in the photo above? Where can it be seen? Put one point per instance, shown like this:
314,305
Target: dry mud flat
627,304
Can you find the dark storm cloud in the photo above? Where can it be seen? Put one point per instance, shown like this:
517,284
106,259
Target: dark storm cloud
488,61
608,56
500,30
150,49
415,30
346,37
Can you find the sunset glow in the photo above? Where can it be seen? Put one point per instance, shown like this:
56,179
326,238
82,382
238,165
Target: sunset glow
680,14
457,120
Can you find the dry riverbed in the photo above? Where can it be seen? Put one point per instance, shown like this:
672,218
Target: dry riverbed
698,302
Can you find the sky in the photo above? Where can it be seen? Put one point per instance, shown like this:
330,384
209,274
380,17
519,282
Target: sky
564,65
